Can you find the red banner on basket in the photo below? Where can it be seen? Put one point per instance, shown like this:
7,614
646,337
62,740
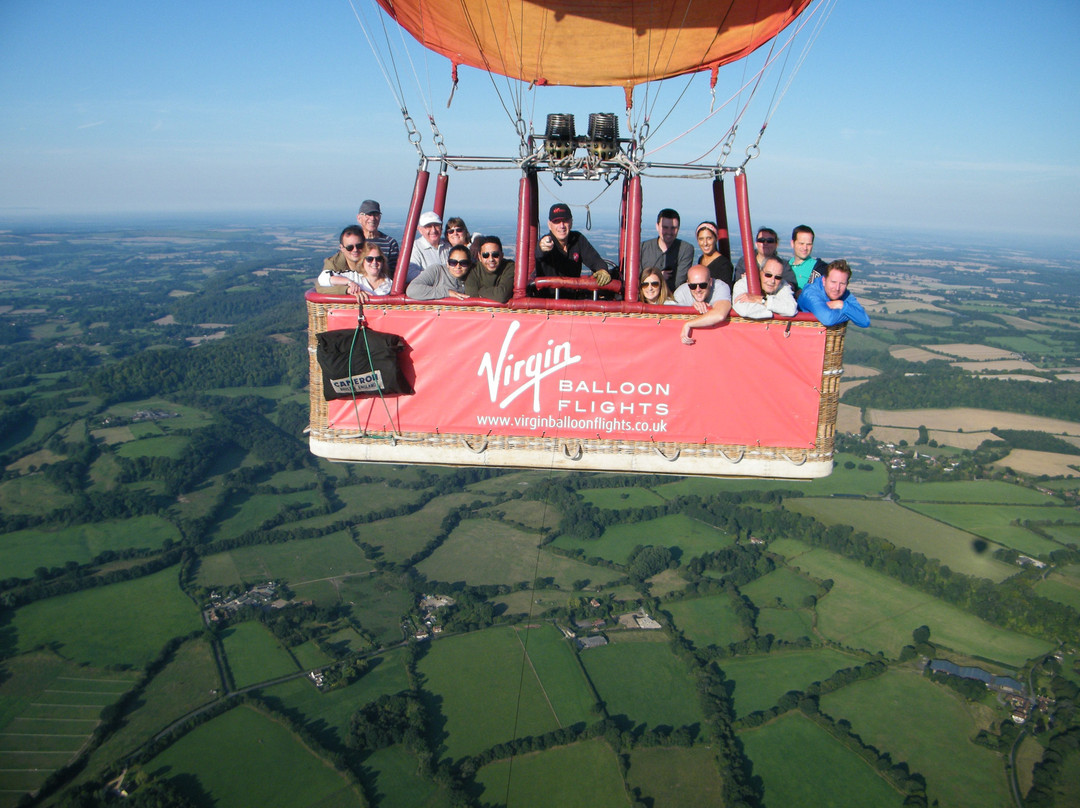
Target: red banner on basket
596,377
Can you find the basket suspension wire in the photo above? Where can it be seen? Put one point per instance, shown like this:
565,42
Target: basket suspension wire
362,327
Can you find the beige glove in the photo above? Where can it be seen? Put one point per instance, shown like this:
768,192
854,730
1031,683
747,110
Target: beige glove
601,277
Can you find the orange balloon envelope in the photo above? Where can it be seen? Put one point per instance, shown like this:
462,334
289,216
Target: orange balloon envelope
593,43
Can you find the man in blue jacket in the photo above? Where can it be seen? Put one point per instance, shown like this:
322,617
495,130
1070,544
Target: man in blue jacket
827,297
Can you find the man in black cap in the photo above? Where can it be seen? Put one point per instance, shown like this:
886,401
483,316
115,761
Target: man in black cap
563,251
369,217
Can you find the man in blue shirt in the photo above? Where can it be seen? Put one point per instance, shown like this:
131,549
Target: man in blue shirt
827,297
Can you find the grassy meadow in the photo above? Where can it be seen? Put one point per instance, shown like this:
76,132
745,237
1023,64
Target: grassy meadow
930,727
675,776
708,620
486,667
691,537
126,623
761,680
538,780
871,611
801,764
954,547
23,551
630,676
244,757
254,654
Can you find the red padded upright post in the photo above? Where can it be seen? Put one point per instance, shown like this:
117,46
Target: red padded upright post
746,234
401,272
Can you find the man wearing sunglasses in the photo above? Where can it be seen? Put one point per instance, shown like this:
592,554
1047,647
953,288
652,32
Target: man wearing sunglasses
776,298
701,292
711,300
430,248
369,218
348,258
765,246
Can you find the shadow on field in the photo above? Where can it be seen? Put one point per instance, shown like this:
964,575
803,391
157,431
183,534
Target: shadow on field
9,636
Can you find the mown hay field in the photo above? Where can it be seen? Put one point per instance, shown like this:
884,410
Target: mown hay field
868,610
929,727
954,547
802,764
1052,464
971,420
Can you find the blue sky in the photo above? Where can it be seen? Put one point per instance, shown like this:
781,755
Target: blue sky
923,115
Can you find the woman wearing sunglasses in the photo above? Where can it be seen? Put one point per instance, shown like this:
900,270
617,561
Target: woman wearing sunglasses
653,290
443,280
493,276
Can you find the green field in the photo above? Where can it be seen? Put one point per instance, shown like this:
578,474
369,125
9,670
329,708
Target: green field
781,587
170,446
296,562
48,709
840,481
246,758
1062,585
540,780
31,493
644,682
392,780
786,624
929,727
534,602
955,548
868,610
693,538
761,680
803,765
121,624
402,536
707,621
674,777
378,603
620,498
189,681
484,668
557,667
995,522
23,551
989,492
247,512
254,655
481,551
327,713
308,655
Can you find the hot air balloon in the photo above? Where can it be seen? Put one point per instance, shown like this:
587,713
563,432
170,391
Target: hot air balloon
593,384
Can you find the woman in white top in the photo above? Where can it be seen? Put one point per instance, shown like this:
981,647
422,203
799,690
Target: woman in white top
370,281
